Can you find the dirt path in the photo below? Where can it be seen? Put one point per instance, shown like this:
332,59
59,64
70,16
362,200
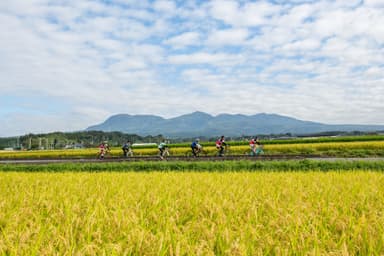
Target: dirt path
181,158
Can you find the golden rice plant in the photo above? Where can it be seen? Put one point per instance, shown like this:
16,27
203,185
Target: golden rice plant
171,213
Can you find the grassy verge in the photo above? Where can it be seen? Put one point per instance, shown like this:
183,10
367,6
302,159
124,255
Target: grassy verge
222,166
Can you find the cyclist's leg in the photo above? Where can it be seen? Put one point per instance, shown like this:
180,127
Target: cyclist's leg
161,153
218,151
193,151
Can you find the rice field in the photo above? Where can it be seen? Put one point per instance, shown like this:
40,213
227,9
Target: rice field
338,212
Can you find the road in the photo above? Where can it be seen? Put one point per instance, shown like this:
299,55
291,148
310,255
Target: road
183,158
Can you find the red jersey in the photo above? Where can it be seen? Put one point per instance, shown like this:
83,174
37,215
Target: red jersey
219,142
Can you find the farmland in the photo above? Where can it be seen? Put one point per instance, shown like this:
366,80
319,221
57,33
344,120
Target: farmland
295,207
194,213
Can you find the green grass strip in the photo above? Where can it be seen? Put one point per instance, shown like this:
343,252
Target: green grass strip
223,166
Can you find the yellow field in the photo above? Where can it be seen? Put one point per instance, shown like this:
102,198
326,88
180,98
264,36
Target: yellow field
155,213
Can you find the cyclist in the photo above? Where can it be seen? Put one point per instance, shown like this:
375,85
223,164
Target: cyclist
259,149
107,149
196,147
127,149
220,144
162,147
102,150
252,145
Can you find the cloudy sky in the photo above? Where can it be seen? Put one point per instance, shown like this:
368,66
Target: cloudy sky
69,64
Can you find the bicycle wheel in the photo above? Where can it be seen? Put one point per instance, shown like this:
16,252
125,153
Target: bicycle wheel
218,153
203,153
189,154
129,153
227,150
247,153
259,150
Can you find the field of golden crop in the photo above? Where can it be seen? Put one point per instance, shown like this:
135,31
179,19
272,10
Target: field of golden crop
189,213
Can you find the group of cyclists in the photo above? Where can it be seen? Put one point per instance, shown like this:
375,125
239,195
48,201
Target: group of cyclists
256,148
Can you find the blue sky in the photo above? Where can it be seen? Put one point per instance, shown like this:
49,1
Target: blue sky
66,65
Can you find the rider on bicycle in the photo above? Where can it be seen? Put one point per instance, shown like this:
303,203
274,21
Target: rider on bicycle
127,149
103,149
255,146
259,149
220,145
252,145
162,146
196,147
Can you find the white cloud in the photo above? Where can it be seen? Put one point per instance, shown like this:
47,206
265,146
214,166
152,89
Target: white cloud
228,37
248,14
302,45
183,40
205,58
165,6
374,3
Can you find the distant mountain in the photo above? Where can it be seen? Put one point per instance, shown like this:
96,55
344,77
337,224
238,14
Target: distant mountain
203,124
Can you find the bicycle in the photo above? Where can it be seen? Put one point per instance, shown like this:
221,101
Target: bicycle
127,152
100,155
198,152
258,151
225,151
164,153
103,153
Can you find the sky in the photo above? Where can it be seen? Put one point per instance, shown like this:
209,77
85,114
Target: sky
69,64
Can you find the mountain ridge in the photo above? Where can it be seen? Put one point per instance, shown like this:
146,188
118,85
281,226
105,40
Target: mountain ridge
202,124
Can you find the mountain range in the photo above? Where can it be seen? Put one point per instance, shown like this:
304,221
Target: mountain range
203,124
